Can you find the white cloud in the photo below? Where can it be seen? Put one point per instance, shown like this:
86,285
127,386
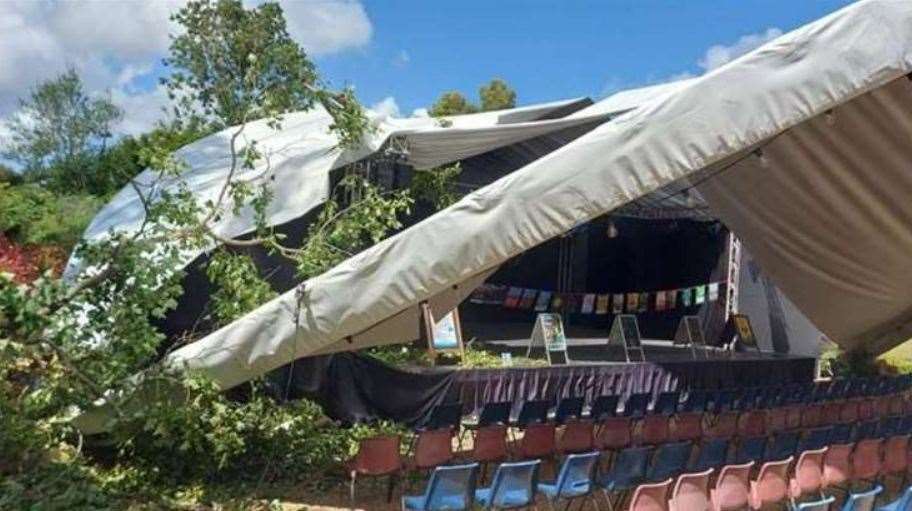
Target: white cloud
402,59
720,54
420,112
386,107
328,26
113,45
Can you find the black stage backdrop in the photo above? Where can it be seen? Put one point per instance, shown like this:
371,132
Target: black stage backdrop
354,388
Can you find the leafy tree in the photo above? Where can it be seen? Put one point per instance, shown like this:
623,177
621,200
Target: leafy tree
8,175
59,131
452,103
496,95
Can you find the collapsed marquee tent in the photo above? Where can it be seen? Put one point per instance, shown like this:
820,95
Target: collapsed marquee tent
800,147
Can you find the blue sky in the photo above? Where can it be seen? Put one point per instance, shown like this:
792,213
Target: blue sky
548,50
401,55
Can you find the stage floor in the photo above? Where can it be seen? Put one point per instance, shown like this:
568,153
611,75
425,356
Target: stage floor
596,350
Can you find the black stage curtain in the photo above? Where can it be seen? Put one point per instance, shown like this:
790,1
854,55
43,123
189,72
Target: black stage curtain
354,388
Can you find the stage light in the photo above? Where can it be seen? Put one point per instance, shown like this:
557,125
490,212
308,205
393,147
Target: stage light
612,230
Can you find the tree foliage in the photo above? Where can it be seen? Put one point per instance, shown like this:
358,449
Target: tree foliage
495,95
59,130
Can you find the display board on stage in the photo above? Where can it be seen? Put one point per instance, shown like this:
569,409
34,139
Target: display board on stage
626,331
739,332
549,334
444,336
690,333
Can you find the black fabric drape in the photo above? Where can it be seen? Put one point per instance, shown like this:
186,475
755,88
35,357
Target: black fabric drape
353,388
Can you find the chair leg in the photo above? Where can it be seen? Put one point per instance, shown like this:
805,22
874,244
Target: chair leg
389,488
351,489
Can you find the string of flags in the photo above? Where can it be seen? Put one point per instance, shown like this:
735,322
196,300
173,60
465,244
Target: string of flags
512,297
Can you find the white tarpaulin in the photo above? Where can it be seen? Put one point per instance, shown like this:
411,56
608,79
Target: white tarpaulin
300,156
824,207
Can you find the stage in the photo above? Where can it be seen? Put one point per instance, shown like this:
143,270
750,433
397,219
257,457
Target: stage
353,387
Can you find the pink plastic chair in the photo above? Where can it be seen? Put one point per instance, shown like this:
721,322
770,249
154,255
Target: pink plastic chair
377,456
651,497
837,467
807,477
896,458
866,459
732,489
691,493
771,485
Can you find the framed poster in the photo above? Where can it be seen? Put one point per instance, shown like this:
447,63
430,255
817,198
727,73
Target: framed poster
549,334
445,335
626,331
690,333
739,332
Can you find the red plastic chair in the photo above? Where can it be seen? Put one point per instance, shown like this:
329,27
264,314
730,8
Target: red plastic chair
848,412
867,409
866,461
837,465
653,429
751,424
537,441
896,455
723,425
897,406
776,420
883,405
377,456
691,492
732,489
811,416
432,449
807,477
686,426
651,497
576,437
794,415
830,412
613,433
489,445
771,485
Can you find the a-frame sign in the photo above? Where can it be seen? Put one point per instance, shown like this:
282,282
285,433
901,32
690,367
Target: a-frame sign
549,334
444,336
690,333
626,331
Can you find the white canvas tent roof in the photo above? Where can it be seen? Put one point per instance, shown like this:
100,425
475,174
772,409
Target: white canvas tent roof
801,147
301,155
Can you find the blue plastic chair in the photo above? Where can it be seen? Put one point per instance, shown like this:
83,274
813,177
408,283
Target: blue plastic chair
514,486
889,426
627,471
816,505
575,479
866,430
782,447
695,402
750,449
814,439
723,401
667,403
669,461
863,501
712,455
604,406
841,434
903,503
451,488
636,405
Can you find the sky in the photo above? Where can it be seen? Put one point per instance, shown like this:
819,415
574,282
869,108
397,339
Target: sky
400,55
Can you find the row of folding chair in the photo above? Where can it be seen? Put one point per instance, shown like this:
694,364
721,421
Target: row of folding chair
671,473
